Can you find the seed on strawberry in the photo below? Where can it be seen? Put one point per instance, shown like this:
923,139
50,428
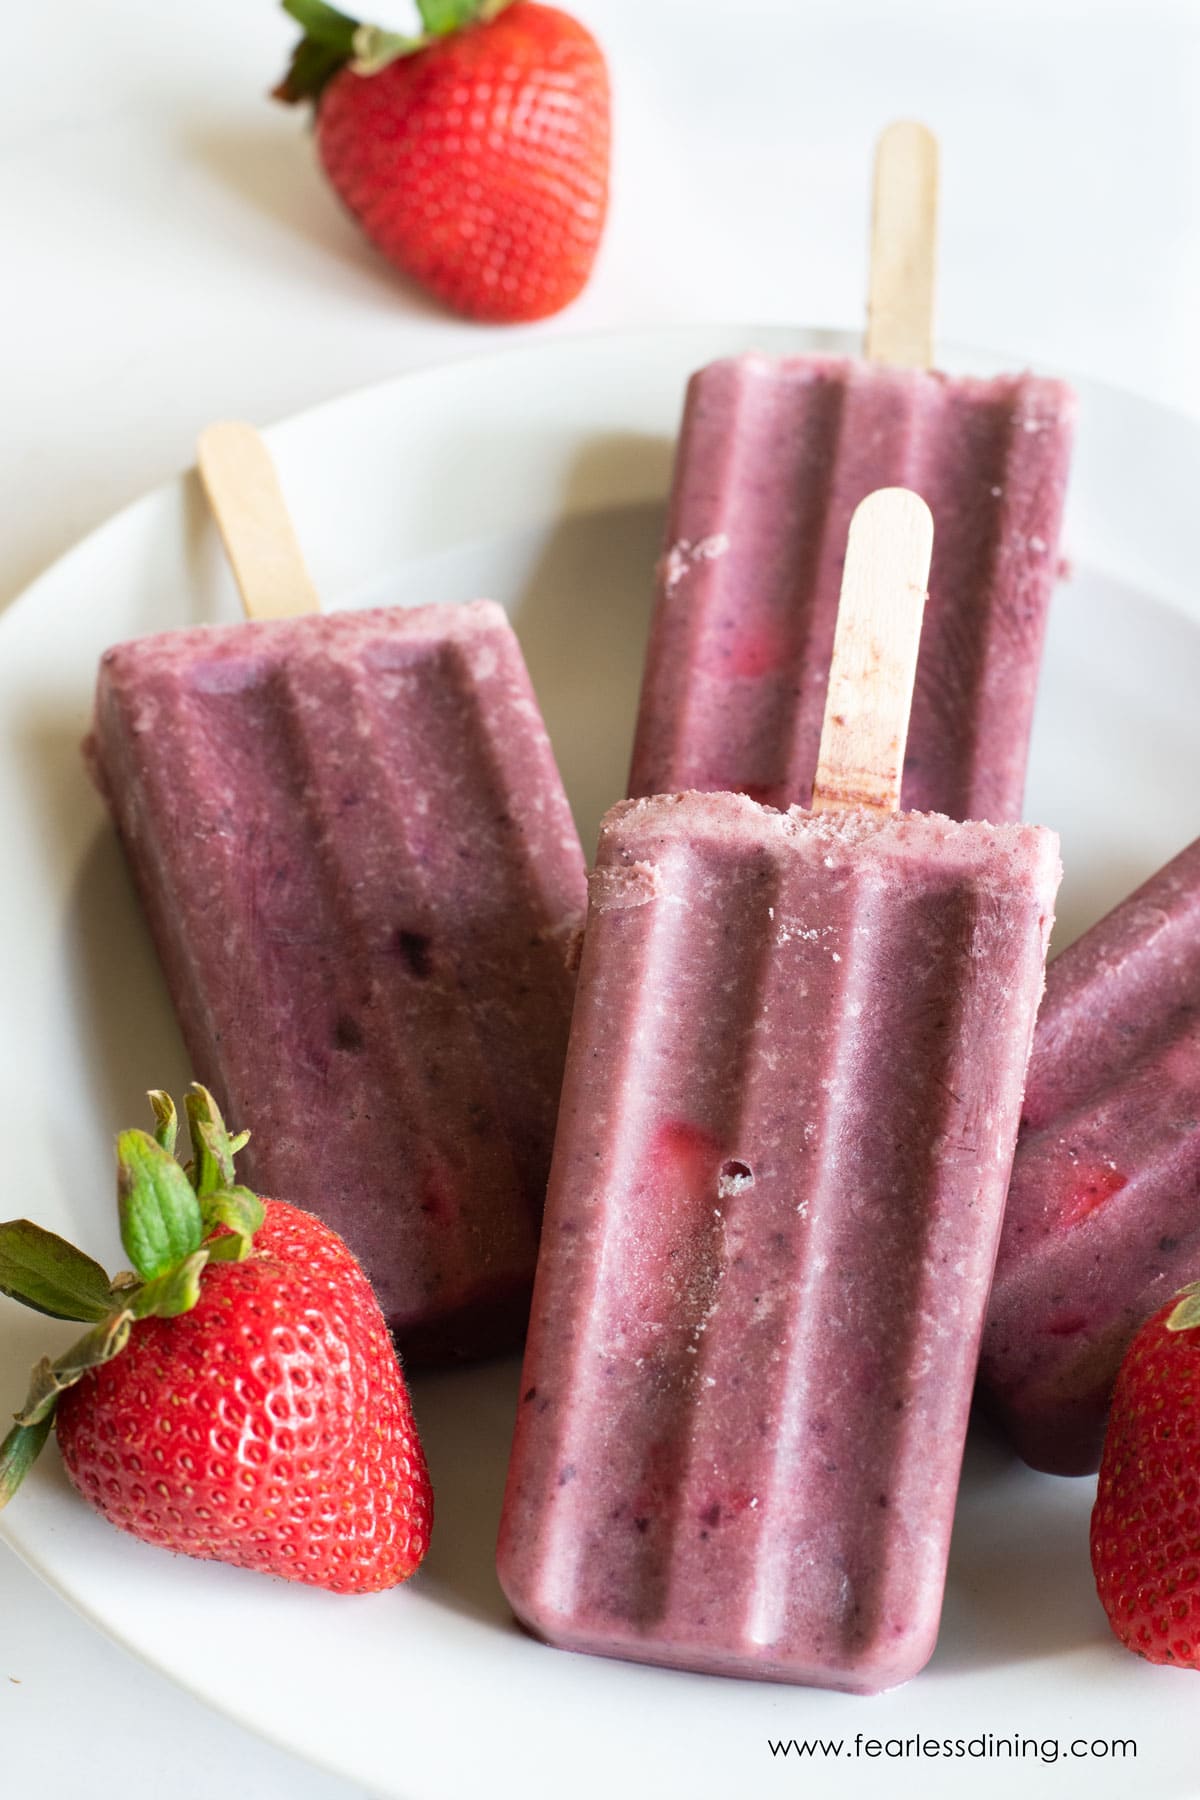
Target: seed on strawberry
237,1395
475,156
1145,1534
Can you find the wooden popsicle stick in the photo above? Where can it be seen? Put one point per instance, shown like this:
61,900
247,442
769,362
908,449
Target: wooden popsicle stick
903,247
252,517
865,729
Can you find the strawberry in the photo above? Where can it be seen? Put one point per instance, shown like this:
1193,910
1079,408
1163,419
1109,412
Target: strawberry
1146,1521
237,1396
475,156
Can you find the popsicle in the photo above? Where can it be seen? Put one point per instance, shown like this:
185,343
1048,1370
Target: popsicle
788,1117
1103,1217
773,457
359,867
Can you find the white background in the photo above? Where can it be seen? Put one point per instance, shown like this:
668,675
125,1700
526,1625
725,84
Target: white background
172,256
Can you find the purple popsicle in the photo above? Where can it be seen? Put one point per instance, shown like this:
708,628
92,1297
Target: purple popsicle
773,458
1103,1217
787,1124
354,850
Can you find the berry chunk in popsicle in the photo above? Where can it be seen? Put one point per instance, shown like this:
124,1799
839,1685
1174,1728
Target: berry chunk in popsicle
773,457
358,863
1102,1224
787,1124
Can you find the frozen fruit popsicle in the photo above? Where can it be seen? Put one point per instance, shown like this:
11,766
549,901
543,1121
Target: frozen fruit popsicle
773,458
359,866
787,1123
1103,1216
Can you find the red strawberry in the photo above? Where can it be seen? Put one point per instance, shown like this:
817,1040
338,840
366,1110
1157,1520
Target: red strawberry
476,161
238,1397
1146,1521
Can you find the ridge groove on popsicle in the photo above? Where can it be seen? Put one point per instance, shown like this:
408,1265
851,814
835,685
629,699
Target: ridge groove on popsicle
906,1204
861,758
355,891
795,494
683,1227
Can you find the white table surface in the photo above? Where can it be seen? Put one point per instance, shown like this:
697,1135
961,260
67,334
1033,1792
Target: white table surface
172,256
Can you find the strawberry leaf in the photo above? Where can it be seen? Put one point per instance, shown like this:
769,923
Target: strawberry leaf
332,39
1187,1314
311,66
213,1163
173,1293
441,17
213,1149
241,1212
19,1452
160,1214
310,69
43,1271
374,48
166,1120
49,1379
323,24
327,44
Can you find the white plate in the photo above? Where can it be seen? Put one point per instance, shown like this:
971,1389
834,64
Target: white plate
538,477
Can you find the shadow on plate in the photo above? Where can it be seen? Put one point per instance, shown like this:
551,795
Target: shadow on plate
132,1040
583,614
465,1418
123,1036
1020,1585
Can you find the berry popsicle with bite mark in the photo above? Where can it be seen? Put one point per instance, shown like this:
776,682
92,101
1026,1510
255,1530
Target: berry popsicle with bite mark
1103,1215
787,1124
358,863
773,457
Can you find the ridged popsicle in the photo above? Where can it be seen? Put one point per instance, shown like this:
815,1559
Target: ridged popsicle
774,456
354,850
1103,1217
787,1124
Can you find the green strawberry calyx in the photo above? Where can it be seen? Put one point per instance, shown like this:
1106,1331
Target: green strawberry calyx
332,40
1187,1311
174,1222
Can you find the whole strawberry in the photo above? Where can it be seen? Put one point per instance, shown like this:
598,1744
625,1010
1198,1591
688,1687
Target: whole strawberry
237,1396
475,156
1146,1521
